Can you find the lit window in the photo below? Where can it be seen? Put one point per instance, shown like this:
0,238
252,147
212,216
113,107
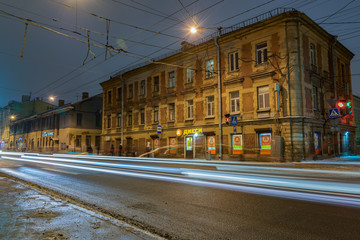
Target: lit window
234,102
263,98
233,62
261,53
210,106
209,68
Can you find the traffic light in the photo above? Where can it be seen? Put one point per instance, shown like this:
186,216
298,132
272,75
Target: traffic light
349,107
227,119
341,106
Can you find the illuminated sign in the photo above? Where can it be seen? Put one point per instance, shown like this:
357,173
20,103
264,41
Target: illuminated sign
194,130
211,144
178,132
237,144
173,143
265,143
20,139
156,145
51,134
44,134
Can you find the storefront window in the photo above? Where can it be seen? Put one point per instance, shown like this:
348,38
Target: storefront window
265,143
237,146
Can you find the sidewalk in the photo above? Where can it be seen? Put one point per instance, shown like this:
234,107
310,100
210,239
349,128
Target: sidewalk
26,213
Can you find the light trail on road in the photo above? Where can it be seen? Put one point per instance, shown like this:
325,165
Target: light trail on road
214,179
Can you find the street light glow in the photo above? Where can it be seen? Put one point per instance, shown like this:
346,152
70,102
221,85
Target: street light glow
193,30
51,98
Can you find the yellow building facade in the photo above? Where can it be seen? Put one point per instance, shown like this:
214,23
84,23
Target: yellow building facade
274,77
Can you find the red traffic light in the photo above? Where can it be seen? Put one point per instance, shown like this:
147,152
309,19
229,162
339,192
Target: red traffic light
340,104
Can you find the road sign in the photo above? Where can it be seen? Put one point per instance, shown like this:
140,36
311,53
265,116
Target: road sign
334,112
233,120
159,129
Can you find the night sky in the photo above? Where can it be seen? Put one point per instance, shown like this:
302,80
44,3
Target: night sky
54,63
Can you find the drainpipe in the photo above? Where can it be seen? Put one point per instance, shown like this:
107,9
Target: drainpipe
219,93
122,110
289,90
335,92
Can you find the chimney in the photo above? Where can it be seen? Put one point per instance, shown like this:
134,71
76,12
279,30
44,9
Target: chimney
61,103
25,98
85,95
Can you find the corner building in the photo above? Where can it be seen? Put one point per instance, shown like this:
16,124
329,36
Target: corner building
278,73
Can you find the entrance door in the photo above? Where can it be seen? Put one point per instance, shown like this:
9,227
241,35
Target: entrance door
189,148
346,146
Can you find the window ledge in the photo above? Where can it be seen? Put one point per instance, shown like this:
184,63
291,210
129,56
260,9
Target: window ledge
189,119
210,117
264,110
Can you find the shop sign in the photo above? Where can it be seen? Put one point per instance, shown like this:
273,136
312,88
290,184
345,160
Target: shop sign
237,144
189,144
156,145
45,134
265,143
178,132
107,138
51,134
194,130
317,143
20,139
173,145
2,144
211,144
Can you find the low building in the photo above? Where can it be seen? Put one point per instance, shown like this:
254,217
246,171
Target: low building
18,110
73,127
275,76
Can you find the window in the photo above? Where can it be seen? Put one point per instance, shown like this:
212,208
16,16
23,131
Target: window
78,119
119,120
109,97
171,79
142,88
233,61
172,112
209,68
189,75
131,90
263,98
108,121
190,109
156,84
234,102
210,106
261,53
119,94
312,55
142,116
156,114
130,118
77,141
315,98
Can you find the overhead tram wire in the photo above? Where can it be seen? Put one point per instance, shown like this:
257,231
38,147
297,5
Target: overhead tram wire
115,21
81,28
191,17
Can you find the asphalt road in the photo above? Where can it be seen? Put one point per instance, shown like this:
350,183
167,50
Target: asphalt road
175,205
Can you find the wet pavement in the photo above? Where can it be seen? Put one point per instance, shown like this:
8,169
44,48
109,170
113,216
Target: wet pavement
26,213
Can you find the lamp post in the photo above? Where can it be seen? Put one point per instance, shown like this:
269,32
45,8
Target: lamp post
194,30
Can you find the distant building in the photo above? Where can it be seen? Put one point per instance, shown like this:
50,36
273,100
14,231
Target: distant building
18,110
356,106
73,127
279,74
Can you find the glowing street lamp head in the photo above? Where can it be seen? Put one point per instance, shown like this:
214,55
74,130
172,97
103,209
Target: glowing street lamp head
52,98
12,117
193,30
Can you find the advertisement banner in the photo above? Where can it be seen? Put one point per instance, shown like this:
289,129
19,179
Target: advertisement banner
211,144
173,145
317,143
237,144
265,143
156,145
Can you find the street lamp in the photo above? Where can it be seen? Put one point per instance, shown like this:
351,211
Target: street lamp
52,98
